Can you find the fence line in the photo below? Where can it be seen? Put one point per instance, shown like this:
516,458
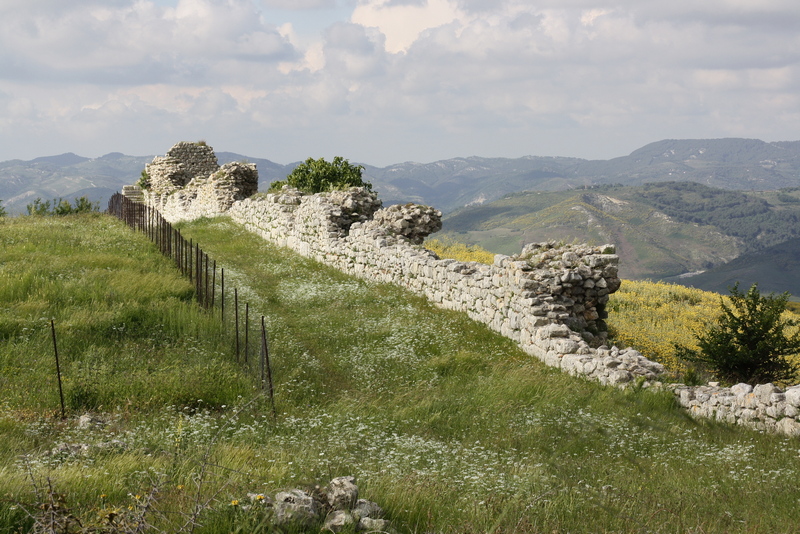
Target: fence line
190,259
193,263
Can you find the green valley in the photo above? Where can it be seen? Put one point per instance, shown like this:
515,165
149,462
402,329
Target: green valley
661,229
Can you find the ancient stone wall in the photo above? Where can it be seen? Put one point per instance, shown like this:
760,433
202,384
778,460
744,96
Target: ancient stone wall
188,183
550,299
184,162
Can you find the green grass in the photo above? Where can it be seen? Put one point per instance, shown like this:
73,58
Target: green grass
447,425
126,324
649,246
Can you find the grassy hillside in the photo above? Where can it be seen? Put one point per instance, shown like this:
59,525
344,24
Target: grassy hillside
660,229
650,244
450,427
774,270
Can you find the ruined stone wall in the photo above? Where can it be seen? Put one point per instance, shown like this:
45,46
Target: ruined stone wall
540,298
188,183
184,162
550,299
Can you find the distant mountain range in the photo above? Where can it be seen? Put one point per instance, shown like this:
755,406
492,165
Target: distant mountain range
70,176
502,203
745,164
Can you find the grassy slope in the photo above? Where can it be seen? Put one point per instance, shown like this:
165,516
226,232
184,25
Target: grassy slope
649,245
447,425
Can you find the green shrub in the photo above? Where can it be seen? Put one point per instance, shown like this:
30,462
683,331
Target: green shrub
2,209
38,207
62,207
144,180
750,344
317,176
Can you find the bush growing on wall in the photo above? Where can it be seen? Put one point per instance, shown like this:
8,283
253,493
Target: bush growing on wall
318,176
750,344
144,180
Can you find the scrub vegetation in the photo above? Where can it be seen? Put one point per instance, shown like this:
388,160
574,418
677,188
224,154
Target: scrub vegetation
450,427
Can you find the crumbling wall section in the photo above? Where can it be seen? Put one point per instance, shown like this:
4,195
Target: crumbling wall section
188,182
182,163
549,298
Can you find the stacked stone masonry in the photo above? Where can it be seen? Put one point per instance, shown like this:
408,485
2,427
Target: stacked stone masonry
549,298
189,180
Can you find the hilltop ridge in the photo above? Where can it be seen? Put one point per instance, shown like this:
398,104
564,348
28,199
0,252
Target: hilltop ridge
449,184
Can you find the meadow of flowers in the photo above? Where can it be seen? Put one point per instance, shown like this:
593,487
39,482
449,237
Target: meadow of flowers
450,427
654,316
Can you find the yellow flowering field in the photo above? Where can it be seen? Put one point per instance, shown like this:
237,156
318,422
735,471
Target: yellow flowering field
652,316
448,248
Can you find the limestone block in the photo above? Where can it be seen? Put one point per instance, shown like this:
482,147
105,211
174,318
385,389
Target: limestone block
776,411
685,396
565,346
369,524
792,396
741,389
554,331
788,426
619,377
295,508
764,392
552,358
338,520
747,415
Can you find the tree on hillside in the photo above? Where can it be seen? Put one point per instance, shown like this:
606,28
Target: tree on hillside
750,344
38,207
2,209
317,176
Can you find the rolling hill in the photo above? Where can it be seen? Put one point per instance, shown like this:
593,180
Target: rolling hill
661,230
745,164
773,269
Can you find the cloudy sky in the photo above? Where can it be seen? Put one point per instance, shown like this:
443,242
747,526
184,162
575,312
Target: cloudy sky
386,81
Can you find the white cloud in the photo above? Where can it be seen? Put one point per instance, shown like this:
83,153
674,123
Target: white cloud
139,41
403,22
391,80
299,5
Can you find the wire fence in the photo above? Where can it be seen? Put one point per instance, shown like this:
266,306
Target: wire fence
195,264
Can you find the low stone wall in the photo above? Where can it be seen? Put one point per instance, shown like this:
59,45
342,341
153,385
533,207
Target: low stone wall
550,299
764,407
